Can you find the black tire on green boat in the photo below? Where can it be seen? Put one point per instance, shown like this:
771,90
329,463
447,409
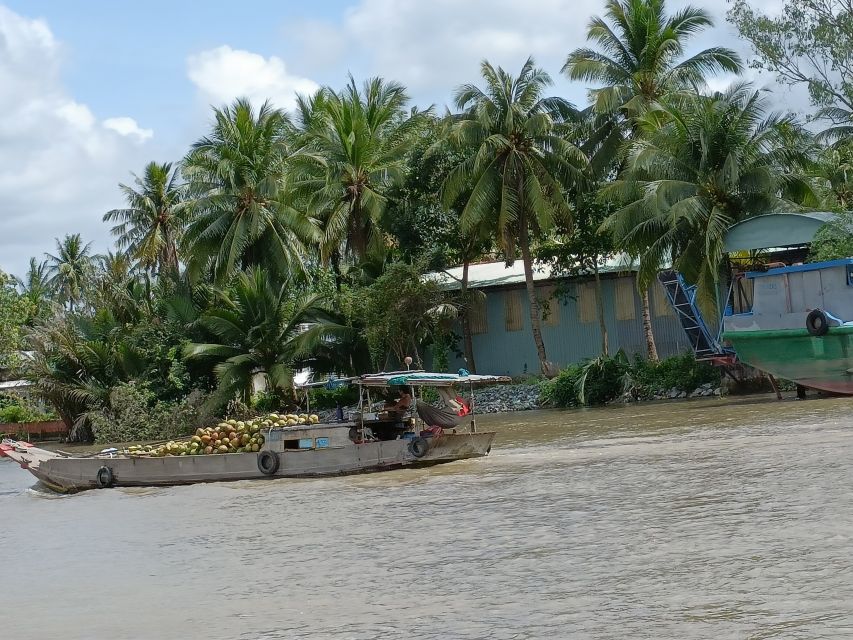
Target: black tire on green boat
418,447
817,324
104,477
268,462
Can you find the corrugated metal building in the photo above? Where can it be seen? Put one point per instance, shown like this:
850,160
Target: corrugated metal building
500,322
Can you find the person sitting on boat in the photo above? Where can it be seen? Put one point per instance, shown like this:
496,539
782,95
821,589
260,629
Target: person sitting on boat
401,404
454,410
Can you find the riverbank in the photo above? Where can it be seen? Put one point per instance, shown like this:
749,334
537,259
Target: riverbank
510,398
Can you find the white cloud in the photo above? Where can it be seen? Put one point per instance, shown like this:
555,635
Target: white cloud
223,73
128,127
432,47
60,165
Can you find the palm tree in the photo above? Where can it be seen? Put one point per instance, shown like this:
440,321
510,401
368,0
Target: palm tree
150,228
70,269
36,287
243,215
76,362
640,55
354,146
261,332
701,164
640,59
518,164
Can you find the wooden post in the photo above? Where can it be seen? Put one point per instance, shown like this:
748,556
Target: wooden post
775,386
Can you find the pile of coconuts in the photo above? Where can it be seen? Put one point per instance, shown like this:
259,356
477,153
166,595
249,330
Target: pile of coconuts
229,436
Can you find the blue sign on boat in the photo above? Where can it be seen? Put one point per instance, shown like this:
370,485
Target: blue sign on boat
306,443
322,443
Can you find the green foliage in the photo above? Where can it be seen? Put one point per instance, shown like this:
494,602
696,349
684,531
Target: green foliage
833,240
37,289
17,410
305,241
598,381
641,55
519,159
322,398
70,269
15,310
401,312
832,174
562,390
151,227
134,413
243,213
353,149
589,383
260,330
701,164
682,372
808,43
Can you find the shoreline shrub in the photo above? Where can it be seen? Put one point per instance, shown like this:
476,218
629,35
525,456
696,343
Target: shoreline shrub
605,378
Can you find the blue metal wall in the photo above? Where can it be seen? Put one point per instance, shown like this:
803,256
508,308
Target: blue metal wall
502,352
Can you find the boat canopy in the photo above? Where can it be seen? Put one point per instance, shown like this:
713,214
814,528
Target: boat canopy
417,377
427,379
775,230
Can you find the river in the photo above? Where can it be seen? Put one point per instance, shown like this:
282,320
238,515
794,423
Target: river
700,519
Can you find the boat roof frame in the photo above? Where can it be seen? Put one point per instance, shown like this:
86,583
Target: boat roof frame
383,379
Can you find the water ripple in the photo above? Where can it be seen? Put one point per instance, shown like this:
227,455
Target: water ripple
692,520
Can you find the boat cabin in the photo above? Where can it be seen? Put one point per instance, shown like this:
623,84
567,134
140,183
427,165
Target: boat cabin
781,294
379,419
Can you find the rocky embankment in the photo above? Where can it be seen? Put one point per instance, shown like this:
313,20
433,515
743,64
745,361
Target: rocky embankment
704,391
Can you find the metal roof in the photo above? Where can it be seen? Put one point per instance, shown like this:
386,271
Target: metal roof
11,385
775,230
496,274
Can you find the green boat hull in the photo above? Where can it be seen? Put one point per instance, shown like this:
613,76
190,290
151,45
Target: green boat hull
824,362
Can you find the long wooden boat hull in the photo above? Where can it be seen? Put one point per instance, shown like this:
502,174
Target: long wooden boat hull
71,474
818,362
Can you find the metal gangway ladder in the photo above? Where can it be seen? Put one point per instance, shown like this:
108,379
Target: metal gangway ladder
682,297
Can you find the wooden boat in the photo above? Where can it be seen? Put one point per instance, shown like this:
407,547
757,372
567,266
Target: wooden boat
796,322
368,442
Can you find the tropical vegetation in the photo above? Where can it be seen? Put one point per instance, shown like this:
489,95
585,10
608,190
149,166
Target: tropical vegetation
286,244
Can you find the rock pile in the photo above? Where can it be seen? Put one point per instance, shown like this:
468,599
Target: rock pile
500,398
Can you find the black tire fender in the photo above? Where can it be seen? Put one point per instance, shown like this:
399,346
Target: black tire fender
418,447
268,462
817,323
104,478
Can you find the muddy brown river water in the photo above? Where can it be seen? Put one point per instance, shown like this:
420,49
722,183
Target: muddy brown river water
700,519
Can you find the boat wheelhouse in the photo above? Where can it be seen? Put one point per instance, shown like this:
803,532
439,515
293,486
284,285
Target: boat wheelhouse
796,322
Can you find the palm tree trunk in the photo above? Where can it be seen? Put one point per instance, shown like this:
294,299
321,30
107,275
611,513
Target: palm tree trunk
599,296
535,319
169,257
647,328
466,320
335,259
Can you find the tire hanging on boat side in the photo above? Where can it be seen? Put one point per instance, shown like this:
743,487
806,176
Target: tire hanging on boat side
268,462
817,323
418,447
104,478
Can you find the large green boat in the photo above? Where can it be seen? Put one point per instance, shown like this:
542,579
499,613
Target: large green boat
796,322
784,316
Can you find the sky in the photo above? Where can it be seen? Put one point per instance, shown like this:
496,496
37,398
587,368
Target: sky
92,90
